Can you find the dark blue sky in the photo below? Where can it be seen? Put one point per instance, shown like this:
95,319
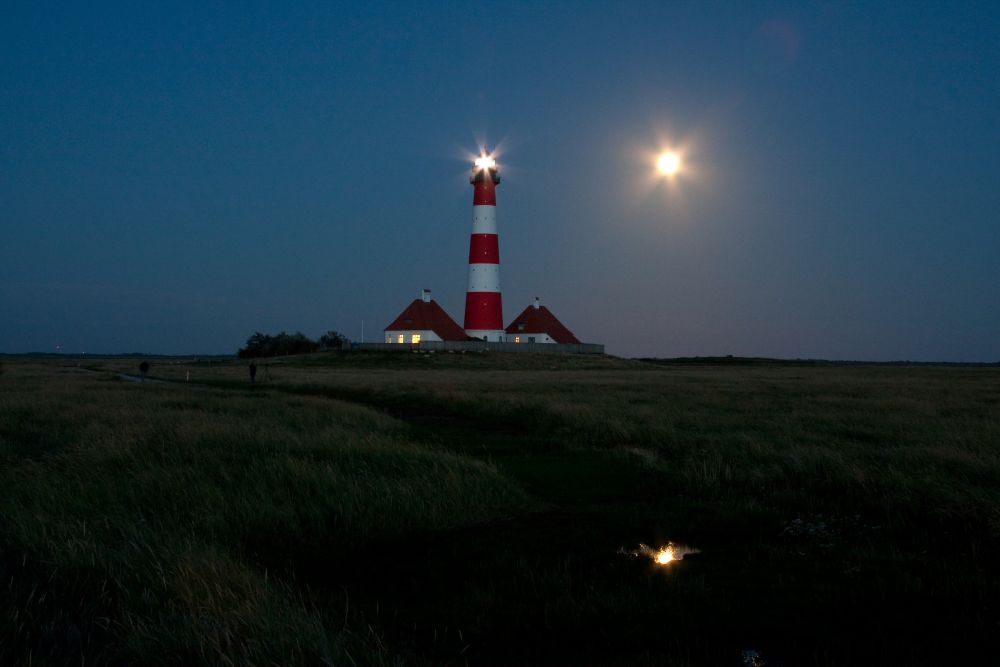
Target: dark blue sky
173,179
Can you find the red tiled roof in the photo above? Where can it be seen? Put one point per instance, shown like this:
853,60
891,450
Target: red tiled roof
541,320
427,316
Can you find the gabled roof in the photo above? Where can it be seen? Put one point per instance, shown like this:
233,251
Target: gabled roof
541,320
427,316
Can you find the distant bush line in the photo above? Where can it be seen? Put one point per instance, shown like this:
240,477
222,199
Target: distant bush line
262,345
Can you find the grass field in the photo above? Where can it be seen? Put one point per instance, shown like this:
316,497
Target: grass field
375,509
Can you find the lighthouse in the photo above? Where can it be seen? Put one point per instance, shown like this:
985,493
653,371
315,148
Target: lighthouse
483,310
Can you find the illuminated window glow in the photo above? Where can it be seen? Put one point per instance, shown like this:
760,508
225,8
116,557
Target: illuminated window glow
399,338
415,338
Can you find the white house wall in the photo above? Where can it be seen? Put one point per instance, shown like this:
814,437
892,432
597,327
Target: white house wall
393,336
539,337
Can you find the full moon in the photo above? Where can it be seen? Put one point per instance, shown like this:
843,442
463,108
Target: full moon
669,163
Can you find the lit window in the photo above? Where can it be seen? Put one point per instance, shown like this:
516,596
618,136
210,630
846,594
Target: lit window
415,338
517,339
388,338
399,338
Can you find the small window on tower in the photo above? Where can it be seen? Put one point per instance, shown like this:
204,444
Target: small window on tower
399,338
415,338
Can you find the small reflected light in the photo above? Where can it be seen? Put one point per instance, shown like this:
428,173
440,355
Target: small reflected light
663,556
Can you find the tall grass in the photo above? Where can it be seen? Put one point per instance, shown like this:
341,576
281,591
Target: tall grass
911,444
839,502
169,519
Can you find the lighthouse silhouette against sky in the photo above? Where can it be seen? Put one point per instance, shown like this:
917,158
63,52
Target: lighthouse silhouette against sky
425,324
483,307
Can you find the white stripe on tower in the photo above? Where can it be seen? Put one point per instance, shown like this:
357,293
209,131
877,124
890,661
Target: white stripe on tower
483,307
484,219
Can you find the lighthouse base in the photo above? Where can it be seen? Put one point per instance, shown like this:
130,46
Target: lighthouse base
489,335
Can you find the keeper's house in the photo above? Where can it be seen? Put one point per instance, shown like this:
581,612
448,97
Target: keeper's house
423,320
537,324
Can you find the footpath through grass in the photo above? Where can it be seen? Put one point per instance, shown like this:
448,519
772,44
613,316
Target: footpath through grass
466,511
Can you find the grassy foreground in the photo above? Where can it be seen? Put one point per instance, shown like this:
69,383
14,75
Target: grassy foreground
412,510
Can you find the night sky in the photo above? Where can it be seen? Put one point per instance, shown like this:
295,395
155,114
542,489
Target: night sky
174,179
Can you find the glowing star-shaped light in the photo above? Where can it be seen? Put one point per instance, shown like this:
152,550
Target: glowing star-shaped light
669,163
485,162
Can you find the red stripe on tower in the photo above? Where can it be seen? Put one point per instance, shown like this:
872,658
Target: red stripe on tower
484,249
484,193
483,308
482,312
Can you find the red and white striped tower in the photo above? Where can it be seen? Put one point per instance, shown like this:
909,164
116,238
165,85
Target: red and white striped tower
483,310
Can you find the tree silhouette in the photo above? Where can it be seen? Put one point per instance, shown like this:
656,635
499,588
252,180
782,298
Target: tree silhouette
333,340
263,345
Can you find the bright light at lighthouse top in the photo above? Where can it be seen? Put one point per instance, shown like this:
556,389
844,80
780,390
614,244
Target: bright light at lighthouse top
486,162
485,168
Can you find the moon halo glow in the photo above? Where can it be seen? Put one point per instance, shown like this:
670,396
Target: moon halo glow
669,163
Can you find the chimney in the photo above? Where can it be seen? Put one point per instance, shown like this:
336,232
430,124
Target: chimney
538,302
425,294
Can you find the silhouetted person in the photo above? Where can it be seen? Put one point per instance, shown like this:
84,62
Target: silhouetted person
143,369
253,372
